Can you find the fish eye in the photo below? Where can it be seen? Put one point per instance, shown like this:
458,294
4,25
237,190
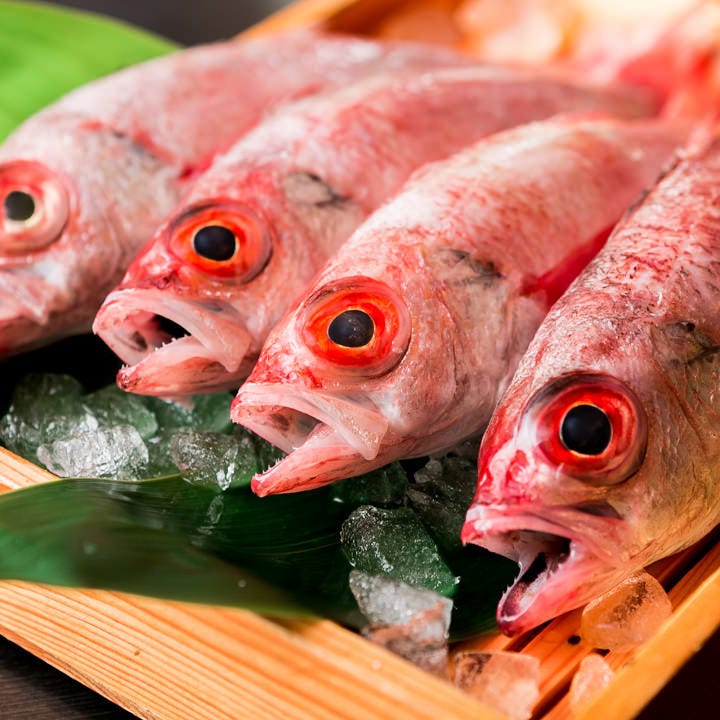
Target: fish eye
590,427
351,328
34,208
19,206
358,325
215,242
222,239
586,430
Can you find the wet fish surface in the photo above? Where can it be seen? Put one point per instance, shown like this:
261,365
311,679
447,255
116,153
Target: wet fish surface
84,182
602,456
403,344
195,307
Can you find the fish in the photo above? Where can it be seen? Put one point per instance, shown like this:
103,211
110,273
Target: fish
86,181
602,455
190,318
403,344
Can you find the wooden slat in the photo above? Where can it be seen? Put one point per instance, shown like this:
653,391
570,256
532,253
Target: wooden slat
160,660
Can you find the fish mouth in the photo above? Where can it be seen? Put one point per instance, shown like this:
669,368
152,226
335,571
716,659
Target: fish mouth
327,437
560,569
175,346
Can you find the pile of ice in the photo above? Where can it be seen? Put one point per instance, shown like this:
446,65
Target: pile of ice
113,434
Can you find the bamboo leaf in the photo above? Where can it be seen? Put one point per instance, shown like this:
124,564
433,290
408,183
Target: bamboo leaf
166,538
46,51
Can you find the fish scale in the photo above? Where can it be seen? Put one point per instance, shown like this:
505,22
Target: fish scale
296,188
108,161
638,329
451,265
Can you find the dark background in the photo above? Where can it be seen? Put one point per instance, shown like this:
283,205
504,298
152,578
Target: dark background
31,690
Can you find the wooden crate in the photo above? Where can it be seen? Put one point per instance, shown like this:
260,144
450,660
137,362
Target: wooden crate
172,661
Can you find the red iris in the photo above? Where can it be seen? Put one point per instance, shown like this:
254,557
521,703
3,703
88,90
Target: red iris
223,239
592,426
358,324
34,207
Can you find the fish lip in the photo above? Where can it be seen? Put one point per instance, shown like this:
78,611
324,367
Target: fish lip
216,333
561,567
316,429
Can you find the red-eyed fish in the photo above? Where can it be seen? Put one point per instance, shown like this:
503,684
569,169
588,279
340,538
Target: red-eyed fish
196,305
403,344
86,181
603,455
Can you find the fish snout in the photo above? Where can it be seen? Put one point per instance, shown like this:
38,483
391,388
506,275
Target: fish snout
175,345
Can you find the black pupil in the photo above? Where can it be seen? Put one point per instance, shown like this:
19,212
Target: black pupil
214,242
586,430
19,206
352,328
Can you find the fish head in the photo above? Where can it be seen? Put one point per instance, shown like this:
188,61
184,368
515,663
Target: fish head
196,304
69,214
361,372
593,465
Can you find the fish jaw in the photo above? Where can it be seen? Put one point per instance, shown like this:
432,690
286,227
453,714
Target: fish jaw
140,326
327,437
561,566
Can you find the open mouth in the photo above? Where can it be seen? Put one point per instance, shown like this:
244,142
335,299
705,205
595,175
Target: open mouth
559,571
327,438
174,346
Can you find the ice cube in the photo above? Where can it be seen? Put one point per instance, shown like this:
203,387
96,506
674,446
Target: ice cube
627,615
385,486
214,460
592,676
117,452
441,495
112,406
383,600
394,542
160,457
508,682
44,408
209,413
422,638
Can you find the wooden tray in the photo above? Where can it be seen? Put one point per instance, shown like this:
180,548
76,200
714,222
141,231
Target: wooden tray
173,661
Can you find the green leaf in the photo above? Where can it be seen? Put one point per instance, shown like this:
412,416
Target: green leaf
166,538
46,51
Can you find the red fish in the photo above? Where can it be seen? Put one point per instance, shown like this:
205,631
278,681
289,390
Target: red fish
403,344
602,456
87,180
196,305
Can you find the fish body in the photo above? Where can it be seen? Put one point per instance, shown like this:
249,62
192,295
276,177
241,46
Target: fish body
286,196
87,180
403,343
602,456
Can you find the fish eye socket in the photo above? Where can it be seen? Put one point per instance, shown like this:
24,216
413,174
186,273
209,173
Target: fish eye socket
19,206
215,242
351,328
35,204
586,430
588,426
222,239
355,324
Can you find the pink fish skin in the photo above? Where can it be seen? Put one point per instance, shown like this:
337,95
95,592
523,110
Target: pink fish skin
90,177
288,195
442,290
602,456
